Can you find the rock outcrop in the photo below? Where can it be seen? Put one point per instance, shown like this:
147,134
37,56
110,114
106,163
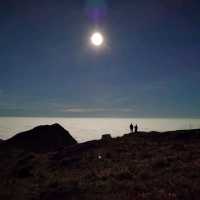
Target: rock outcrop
44,138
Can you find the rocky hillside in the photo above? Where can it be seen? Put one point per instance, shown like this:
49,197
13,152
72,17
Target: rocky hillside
146,166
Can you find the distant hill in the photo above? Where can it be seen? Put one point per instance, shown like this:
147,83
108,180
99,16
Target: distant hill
44,138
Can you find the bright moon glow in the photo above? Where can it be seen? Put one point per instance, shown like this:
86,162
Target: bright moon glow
97,39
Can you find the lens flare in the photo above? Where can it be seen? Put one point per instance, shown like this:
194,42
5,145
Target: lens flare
96,10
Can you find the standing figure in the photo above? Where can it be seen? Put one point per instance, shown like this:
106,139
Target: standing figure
136,128
131,128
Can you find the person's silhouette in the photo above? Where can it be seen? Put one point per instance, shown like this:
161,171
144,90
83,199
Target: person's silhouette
136,128
131,128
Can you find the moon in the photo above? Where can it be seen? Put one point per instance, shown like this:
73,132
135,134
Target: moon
97,39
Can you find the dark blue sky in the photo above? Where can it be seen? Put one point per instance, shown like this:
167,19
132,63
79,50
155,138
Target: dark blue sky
150,66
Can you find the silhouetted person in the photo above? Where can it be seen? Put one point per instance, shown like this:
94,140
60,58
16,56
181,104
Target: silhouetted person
136,128
131,128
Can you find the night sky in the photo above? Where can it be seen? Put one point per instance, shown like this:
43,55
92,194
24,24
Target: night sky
148,67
